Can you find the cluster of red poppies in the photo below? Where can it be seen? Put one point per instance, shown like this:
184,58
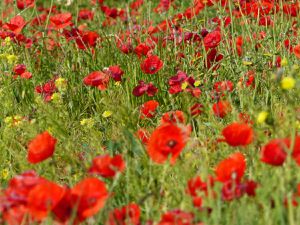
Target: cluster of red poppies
30,198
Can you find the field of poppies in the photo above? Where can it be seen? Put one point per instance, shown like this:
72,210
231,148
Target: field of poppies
150,112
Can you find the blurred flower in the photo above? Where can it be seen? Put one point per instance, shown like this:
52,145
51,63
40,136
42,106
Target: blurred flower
89,122
288,83
262,116
61,84
107,114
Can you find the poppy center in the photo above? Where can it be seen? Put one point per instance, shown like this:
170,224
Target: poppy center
171,143
152,68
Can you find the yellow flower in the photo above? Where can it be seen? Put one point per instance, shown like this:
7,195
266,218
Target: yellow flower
106,114
184,85
7,41
247,63
118,83
88,122
288,83
262,116
61,84
8,120
197,83
11,58
4,174
284,62
56,98
298,125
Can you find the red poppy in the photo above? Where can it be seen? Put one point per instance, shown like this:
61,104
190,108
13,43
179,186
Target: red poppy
20,70
43,198
223,86
16,24
296,150
22,4
167,140
97,79
238,134
85,14
148,109
173,117
143,135
62,20
86,39
196,109
115,72
41,147
274,152
127,215
63,209
107,166
151,65
177,217
212,39
196,186
221,108
144,88
47,89
142,50
88,196
213,58
231,168
297,51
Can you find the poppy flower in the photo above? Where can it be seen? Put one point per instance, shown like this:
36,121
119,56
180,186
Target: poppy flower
142,50
41,148
231,168
213,58
22,4
129,214
196,109
177,216
274,152
16,24
223,86
107,166
173,117
297,51
167,140
47,90
86,39
97,79
64,208
89,196
115,72
212,39
196,185
221,108
144,88
151,65
148,109
20,70
296,150
143,135
62,20
85,14
238,134
43,198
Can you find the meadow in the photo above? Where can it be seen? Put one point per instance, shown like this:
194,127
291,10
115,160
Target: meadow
150,112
